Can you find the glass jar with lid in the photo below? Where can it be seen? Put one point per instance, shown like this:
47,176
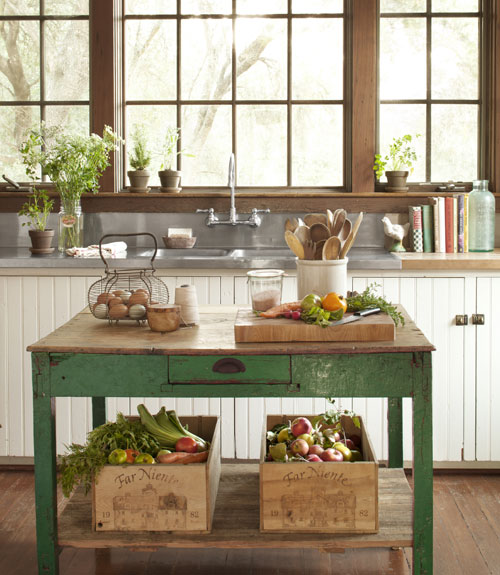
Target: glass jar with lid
265,288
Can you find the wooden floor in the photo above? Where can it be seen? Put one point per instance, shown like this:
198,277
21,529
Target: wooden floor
466,541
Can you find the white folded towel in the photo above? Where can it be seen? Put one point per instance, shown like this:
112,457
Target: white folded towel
111,250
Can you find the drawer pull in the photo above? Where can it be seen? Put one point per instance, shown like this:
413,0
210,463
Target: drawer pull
229,365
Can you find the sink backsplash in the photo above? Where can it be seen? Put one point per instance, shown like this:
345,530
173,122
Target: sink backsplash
269,234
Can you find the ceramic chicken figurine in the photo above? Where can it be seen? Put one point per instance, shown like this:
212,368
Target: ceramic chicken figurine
397,232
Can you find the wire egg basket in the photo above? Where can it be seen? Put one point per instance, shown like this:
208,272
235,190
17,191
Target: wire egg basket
125,294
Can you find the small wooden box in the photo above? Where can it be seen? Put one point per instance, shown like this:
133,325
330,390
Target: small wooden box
161,497
326,497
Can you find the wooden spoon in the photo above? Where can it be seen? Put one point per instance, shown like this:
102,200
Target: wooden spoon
345,231
319,232
352,236
338,221
294,244
311,219
303,233
291,224
318,254
329,220
309,250
331,249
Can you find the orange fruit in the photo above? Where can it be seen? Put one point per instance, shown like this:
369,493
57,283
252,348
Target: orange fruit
333,302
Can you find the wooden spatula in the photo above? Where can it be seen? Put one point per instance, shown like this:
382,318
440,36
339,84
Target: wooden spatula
294,244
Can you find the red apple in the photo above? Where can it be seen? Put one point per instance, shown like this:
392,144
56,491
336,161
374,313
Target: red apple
356,439
301,425
313,458
332,455
187,444
348,443
316,449
300,447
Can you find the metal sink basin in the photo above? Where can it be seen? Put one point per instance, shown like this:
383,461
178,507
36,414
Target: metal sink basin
262,253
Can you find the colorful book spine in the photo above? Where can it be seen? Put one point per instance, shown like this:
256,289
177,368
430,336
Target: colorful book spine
416,235
428,227
455,225
439,229
460,223
466,223
448,223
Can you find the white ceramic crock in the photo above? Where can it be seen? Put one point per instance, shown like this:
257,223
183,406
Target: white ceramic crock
321,277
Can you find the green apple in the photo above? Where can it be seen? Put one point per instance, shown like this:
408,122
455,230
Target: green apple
346,452
117,457
163,452
308,438
144,459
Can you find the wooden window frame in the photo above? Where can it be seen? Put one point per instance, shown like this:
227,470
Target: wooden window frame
362,195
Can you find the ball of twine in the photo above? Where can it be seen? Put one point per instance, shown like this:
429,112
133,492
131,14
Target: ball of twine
185,296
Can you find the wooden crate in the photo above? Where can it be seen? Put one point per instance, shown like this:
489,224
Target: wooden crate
326,497
161,497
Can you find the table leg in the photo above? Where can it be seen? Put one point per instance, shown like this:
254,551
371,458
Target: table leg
395,423
422,467
98,411
44,427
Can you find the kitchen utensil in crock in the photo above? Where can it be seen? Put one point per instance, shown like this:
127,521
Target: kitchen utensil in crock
339,218
311,219
331,249
294,244
345,231
309,250
319,232
303,233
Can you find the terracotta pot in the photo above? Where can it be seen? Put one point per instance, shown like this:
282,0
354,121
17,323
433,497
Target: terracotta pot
170,179
164,317
41,242
396,181
139,180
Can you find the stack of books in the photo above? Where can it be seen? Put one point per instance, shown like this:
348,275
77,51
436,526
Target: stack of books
442,226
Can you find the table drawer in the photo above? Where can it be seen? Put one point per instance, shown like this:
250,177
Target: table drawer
230,369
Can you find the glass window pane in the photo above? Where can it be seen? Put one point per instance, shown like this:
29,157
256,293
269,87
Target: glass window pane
317,6
67,7
150,7
455,5
206,133
20,46
20,8
67,60
15,121
406,6
317,151
261,135
317,59
455,58
402,58
206,6
151,51
454,142
155,120
396,120
75,119
261,52
261,6
206,61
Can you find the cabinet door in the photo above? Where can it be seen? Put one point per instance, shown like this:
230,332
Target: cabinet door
432,303
488,370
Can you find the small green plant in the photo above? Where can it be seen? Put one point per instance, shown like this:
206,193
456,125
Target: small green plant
169,151
140,156
37,210
401,155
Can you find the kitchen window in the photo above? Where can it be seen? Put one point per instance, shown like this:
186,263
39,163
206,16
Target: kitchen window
44,71
264,78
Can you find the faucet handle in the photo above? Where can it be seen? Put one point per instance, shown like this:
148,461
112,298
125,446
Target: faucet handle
209,211
255,211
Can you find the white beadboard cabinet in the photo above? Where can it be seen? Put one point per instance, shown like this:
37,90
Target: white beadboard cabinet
466,365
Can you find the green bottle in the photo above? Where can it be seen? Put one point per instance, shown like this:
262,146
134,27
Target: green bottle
481,218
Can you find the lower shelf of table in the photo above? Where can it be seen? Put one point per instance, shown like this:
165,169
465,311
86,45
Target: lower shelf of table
236,520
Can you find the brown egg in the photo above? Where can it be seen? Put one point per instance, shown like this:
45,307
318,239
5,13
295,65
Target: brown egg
114,301
118,311
139,290
138,297
103,297
120,292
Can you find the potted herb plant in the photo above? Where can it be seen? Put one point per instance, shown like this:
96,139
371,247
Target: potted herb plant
397,164
74,164
140,159
169,177
37,210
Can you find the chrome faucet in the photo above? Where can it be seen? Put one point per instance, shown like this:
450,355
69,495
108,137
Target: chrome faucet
212,220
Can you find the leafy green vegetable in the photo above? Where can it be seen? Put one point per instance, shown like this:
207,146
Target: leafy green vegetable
368,299
83,462
319,316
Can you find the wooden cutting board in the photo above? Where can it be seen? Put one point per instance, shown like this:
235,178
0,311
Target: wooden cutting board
248,328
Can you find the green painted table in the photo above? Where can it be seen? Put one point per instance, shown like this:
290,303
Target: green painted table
89,358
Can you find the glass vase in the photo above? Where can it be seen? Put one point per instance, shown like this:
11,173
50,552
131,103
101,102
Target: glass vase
481,218
70,225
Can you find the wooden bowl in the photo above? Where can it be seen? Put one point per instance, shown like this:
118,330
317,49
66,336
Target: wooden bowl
163,317
178,243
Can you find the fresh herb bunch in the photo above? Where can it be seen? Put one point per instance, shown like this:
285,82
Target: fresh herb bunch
368,299
83,462
37,210
319,316
140,156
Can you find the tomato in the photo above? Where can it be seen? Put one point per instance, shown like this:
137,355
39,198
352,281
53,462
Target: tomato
131,455
333,302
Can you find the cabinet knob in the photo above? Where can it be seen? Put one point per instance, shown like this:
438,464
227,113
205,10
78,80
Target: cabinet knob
461,320
477,319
